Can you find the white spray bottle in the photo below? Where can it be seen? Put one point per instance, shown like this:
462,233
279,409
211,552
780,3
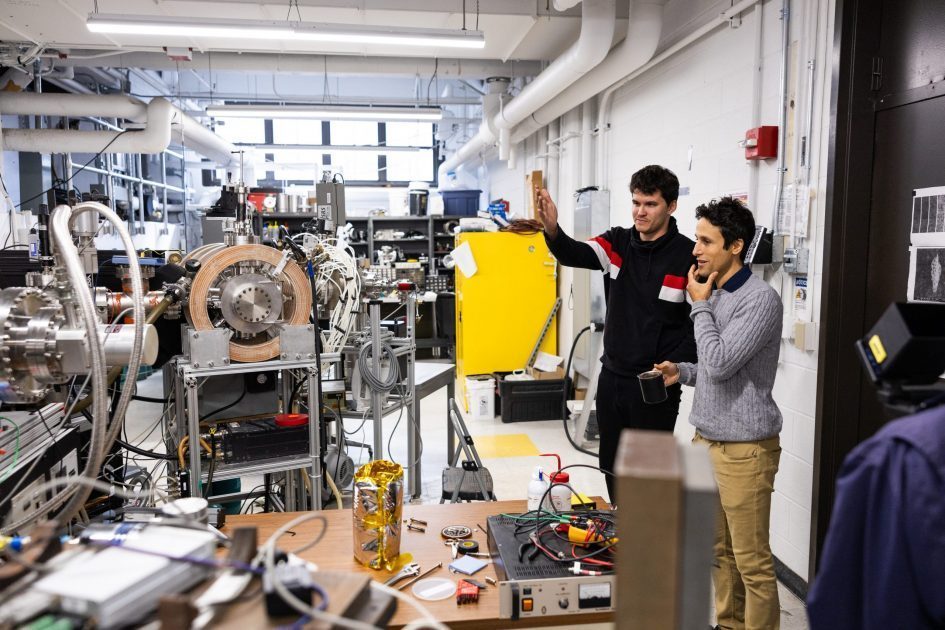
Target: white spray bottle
536,489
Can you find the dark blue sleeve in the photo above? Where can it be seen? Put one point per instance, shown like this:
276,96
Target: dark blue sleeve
833,602
883,562
924,517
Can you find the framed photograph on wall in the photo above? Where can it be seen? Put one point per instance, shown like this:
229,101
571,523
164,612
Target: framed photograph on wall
926,274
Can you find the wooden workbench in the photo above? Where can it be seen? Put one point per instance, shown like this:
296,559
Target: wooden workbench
335,553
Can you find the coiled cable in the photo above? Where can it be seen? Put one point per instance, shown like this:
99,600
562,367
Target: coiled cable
373,380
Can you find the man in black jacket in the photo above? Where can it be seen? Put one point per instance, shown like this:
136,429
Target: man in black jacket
645,270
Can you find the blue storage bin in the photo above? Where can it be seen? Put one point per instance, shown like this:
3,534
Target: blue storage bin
461,203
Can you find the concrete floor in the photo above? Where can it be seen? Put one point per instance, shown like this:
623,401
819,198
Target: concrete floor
509,451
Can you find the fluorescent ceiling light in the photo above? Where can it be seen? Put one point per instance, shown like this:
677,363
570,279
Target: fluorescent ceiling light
327,112
292,31
331,148
442,38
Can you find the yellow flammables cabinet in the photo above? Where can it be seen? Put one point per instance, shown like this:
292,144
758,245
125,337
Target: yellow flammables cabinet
501,309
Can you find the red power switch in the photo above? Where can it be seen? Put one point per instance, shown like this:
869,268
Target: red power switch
761,143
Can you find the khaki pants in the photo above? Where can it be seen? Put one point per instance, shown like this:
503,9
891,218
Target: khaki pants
746,590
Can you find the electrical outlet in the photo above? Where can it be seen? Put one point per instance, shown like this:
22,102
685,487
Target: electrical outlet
790,260
805,336
795,260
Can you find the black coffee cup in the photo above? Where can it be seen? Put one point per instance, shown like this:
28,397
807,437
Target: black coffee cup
652,387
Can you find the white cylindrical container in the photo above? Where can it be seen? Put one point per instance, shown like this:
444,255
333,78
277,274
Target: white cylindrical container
188,508
560,495
536,489
480,397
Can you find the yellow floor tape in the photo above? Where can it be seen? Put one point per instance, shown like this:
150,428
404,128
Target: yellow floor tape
511,445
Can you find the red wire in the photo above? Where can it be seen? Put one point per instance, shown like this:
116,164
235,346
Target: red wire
590,560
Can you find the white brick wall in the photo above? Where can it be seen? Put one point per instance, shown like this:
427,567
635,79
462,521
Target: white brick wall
700,101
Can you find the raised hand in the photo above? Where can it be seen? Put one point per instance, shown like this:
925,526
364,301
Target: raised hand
547,211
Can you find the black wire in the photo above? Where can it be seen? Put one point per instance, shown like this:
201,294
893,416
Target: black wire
436,66
225,407
144,452
6,195
213,460
252,499
318,363
567,368
564,419
149,399
294,395
76,172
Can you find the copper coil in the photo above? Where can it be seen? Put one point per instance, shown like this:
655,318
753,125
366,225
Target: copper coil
214,261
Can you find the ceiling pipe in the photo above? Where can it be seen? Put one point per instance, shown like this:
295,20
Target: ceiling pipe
643,36
495,88
314,64
154,138
102,77
606,99
73,105
69,85
188,132
161,118
598,19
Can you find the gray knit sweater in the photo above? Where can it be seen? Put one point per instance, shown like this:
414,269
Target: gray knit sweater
738,336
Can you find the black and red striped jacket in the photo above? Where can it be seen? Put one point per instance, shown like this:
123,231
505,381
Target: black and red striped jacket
644,281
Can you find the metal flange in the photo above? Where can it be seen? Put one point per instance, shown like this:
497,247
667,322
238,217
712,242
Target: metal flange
250,309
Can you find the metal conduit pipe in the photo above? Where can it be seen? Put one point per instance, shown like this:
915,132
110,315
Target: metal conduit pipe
353,65
129,178
118,419
782,114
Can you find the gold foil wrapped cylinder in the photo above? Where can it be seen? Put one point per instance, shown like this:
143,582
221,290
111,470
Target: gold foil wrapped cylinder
378,505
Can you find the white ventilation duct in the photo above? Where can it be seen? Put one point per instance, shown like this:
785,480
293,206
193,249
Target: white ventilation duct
598,19
491,101
159,116
153,138
190,133
643,35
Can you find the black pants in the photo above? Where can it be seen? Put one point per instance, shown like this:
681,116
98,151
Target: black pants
620,406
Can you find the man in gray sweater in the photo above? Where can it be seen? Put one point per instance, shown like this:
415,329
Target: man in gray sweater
738,336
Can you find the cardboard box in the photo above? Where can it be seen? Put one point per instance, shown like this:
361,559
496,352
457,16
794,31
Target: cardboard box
649,495
533,180
538,375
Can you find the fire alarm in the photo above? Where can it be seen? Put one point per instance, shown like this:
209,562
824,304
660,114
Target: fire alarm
761,143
